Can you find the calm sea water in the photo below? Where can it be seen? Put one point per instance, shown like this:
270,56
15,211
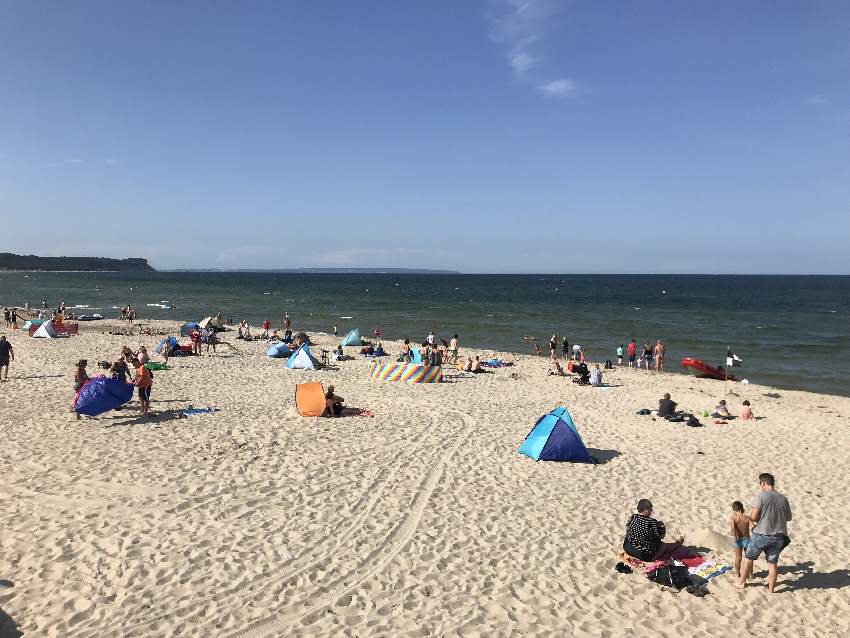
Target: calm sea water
790,331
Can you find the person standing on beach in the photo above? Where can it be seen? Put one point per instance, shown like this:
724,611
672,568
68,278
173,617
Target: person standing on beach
770,513
286,322
565,348
81,377
336,332
647,354
620,355
553,347
659,356
7,317
430,338
377,332
144,382
7,354
14,318
266,326
632,352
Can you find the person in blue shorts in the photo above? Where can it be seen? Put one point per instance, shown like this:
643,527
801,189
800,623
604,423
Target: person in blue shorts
770,513
740,524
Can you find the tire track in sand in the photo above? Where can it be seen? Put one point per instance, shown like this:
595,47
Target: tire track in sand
341,532
385,552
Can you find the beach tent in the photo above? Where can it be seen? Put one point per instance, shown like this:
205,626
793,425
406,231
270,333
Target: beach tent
187,327
211,323
166,345
302,360
32,322
310,399
415,357
102,394
351,339
554,438
278,351
45,331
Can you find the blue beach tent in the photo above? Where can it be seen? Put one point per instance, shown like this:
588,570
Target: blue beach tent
187,327
351,339
101,394
278,350
554,438
302,360
169,342
415,357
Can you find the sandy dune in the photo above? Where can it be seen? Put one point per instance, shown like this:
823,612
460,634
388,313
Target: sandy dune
421,521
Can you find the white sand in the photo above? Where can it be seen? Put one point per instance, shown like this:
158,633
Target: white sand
420,521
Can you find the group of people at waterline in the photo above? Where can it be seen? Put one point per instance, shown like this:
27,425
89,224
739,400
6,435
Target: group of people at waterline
762,530
650,356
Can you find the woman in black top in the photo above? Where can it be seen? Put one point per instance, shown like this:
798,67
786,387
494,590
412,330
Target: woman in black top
644,535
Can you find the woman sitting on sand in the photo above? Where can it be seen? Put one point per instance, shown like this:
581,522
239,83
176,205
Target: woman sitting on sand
476,366
721,411
555,366
333,403
644,535
468,365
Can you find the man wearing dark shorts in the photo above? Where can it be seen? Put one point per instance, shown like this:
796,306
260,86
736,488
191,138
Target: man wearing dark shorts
771,513
7,354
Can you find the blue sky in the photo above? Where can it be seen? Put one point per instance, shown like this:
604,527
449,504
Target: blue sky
484,136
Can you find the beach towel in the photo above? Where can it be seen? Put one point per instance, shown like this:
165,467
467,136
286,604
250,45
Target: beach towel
190,411
156,365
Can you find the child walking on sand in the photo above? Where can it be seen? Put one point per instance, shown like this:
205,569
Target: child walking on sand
740,524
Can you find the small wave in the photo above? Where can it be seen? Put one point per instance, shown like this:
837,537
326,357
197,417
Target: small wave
346,317
637,308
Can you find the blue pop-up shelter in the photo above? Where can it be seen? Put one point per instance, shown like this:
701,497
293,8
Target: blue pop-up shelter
101,394
166,345
554,438
278,350
351,339
188,327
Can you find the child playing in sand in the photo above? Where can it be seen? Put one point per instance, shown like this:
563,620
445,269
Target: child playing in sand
740,524
746,412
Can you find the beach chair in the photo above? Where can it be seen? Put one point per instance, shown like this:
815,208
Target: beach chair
310,399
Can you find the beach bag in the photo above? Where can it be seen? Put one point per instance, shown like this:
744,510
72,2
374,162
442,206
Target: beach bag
675,576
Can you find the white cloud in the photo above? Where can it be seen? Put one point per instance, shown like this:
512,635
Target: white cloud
517,24
75,160
110,160
522,61
558,88
817,100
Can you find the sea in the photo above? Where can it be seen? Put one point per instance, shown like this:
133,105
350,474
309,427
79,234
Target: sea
789,331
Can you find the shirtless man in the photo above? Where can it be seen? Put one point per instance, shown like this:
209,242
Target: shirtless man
659,356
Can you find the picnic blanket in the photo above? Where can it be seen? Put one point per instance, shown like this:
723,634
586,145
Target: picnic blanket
697,565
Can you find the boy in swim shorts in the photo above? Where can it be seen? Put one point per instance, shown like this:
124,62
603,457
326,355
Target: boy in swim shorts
740,533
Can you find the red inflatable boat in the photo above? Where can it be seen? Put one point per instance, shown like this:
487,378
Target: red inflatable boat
704,370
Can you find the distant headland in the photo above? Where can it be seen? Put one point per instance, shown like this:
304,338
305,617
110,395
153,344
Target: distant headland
329,271
10,261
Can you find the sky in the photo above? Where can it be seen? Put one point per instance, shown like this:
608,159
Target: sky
482,135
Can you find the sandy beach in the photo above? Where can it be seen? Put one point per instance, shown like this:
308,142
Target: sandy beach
420,521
